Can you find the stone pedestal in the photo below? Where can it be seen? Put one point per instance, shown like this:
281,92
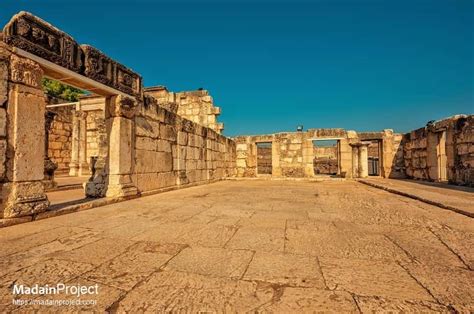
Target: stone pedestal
120,112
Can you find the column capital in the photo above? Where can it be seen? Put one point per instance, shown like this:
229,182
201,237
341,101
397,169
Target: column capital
123,106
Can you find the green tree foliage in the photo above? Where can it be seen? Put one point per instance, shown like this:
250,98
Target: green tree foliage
59,90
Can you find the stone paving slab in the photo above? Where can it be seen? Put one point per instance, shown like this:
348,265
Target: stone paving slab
249,246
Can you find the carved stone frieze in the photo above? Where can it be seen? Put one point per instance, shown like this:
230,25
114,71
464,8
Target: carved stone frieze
40,38
101,68
32,34
25,71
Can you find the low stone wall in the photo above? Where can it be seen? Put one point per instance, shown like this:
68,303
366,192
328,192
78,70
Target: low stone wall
441,151
171,150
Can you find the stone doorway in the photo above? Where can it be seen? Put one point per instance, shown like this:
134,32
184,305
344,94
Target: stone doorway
33,49
373,157
326,157
264,158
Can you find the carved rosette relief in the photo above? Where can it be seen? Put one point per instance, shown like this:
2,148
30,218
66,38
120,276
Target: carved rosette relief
123,106
25,71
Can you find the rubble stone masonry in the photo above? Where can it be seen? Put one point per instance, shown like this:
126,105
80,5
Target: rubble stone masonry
445,144
60,138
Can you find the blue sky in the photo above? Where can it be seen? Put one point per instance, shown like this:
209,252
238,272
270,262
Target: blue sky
273,65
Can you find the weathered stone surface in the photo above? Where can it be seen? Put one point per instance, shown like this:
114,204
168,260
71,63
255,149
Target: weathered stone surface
212,261
139,261
308,300
286,269
358,276
205,219
183,292
40,38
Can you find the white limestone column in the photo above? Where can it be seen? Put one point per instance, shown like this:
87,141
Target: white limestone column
74,164
83,164
363,161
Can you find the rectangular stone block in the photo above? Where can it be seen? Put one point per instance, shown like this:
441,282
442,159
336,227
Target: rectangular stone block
145,143
26,108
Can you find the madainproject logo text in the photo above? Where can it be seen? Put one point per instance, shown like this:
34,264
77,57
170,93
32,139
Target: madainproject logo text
75,290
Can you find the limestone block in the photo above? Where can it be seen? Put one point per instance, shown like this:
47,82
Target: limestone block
3,82
3,156
168,132
26,144
3,122
24,198
145,143
241,163
164,162
182,138
120,145
163,146
241,147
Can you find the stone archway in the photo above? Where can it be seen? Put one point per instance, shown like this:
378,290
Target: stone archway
31,49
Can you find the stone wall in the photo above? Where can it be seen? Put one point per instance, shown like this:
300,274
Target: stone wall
441,151
197,106
171,150
60,138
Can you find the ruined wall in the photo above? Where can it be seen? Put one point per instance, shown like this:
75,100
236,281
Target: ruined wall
4,65
197,106
171,150
441,151
294,154
60,138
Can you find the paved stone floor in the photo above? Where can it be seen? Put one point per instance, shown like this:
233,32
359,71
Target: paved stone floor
269,246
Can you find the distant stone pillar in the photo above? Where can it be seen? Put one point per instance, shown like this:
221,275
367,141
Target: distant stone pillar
363,160
83,165
355,160
23,191
74,164
120,113
49,165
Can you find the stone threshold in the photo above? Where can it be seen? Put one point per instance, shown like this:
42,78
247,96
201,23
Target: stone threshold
57,210
418,198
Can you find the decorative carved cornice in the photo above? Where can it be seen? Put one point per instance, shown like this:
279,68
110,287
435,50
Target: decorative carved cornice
32,34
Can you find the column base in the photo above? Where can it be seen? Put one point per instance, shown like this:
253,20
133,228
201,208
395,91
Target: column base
73,169
24,198
84,169
121,185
